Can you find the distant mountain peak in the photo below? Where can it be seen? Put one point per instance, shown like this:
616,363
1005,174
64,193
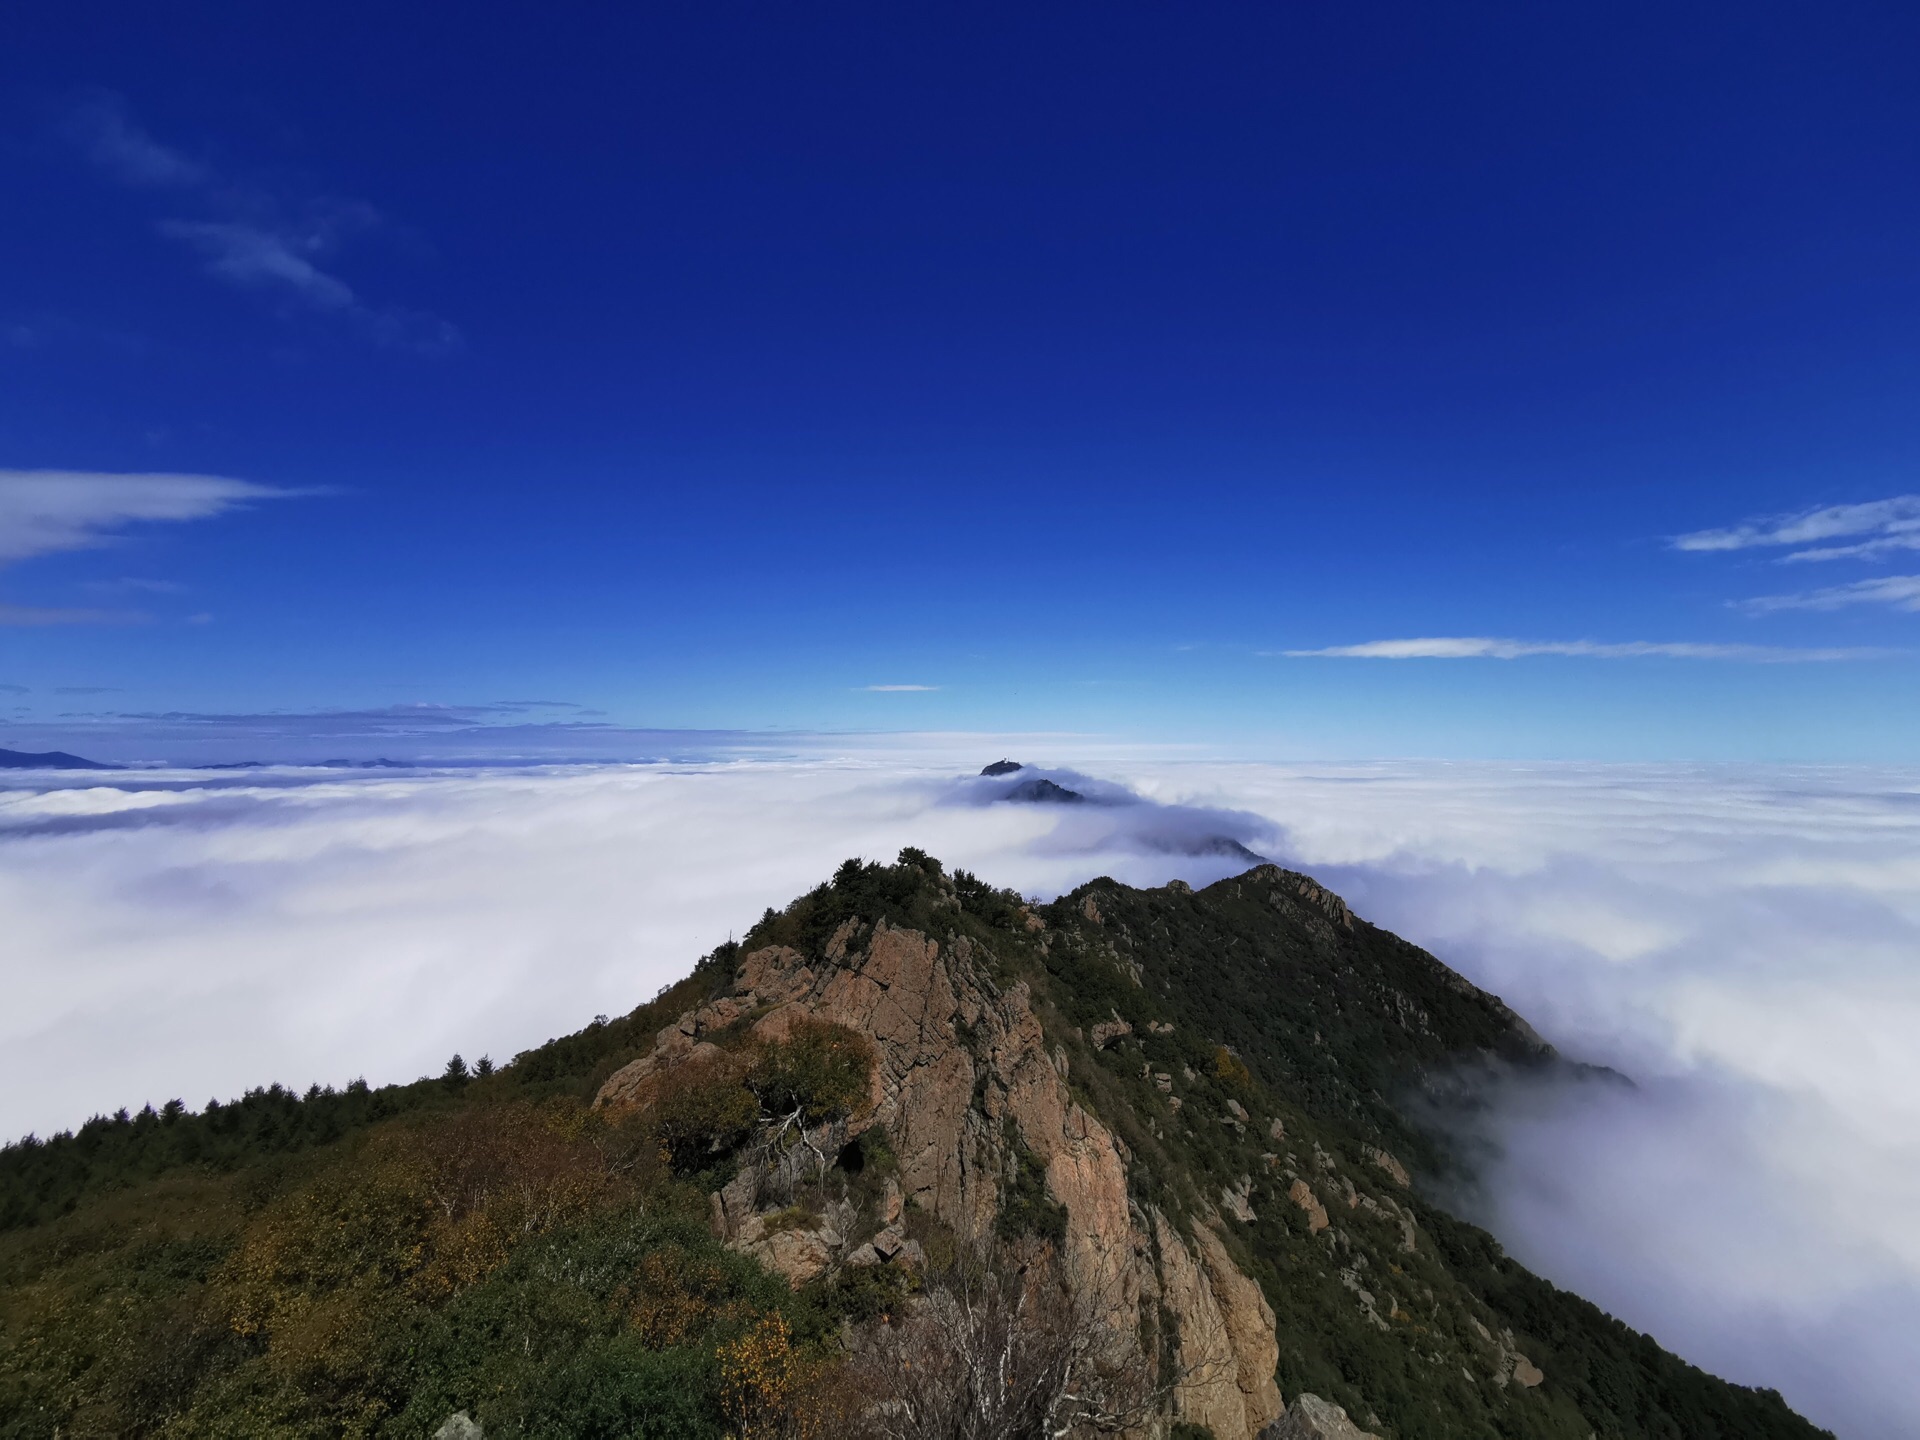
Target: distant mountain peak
49,760
1003,767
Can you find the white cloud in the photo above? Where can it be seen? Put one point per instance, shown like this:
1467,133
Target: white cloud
44,511
1484,647
107,136
250,236
1893,523
1901,592
259,259
1741,940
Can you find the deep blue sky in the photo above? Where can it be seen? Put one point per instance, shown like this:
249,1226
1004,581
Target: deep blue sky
706,365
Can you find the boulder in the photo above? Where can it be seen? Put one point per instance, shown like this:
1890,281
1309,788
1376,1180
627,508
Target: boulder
1311,1418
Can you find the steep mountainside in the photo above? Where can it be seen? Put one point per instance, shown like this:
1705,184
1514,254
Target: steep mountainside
737,1208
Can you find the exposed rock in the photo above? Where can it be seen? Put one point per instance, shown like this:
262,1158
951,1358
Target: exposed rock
1238,1202
1311,1418
950,1110
1392,1166
1209,1391
1250,1331
1525,1373
799,1255
1091,909
1159,1027
1277,1130
1236,1109
1107,1031
1302,1195
458,1426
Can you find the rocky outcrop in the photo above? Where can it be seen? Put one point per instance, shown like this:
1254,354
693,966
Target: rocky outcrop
1311,1418
1385,1161
1301,1193
968,1090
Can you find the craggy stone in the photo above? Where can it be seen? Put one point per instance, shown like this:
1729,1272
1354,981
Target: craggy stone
1311,1418
1302,1195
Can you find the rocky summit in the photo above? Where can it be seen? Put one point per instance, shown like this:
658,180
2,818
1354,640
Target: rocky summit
915,1157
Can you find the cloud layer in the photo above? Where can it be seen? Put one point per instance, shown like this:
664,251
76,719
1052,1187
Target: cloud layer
1741,941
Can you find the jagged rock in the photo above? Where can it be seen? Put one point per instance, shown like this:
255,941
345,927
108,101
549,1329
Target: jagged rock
950,1109
1237,1110
735,1202
1311,1418
1159,1027
458,1426
1221,1385
799,1255
1237,1200
1525,1373
1277,1130
1392,1166
1302,1195
1108,1031
1250,1331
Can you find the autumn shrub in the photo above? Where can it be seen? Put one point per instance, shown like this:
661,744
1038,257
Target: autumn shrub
1230,1070
772,1389
700,1110
819,1071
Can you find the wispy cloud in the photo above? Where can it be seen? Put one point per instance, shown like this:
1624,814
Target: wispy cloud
14,690
46,511
132,584
251,237
254,258
897,689
101,129
1484,647
1899,592
1889,525
29,615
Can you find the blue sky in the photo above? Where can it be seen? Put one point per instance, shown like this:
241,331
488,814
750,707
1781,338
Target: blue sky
704,370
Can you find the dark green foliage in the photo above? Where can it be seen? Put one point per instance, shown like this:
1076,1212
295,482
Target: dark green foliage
817,1071
701,1112
1025,1206
41,1179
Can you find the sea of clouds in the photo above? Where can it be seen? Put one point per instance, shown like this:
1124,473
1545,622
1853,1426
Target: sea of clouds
1743,942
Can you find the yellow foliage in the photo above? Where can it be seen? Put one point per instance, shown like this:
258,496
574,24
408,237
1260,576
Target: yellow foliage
1230,1068
771,1391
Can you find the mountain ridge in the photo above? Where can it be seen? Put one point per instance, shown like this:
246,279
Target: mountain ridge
1187,1097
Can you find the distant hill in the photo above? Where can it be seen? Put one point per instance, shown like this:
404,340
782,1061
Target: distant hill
1144,1151
49,760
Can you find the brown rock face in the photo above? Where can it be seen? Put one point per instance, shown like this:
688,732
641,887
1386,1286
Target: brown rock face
1302,1195
1393,1167
963,1075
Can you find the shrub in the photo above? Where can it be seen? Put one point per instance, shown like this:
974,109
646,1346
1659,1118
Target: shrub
700,1111
819,1070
